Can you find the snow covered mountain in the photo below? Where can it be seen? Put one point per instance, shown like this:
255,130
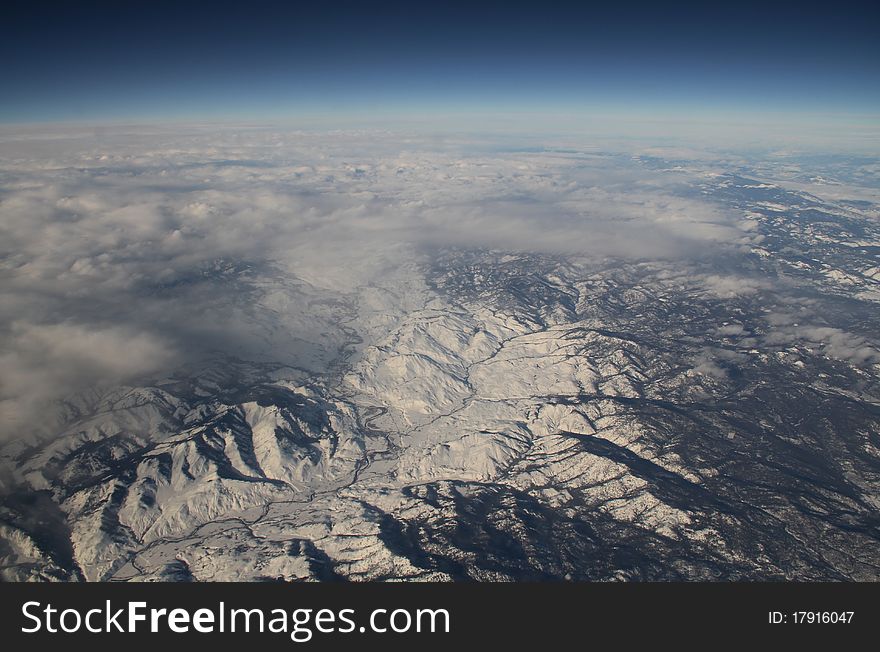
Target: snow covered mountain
494,412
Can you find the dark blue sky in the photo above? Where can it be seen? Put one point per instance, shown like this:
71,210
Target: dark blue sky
141,60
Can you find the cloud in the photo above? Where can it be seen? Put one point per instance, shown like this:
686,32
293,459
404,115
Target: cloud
124,255
730,287
43,362
716,363
729,330
833,342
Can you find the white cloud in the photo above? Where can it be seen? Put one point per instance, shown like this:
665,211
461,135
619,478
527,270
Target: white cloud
833,342
729,287
122,255
41,362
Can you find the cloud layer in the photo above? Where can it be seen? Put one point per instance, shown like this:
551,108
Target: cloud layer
124,255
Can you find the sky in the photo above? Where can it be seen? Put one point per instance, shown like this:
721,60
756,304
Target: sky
119,61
